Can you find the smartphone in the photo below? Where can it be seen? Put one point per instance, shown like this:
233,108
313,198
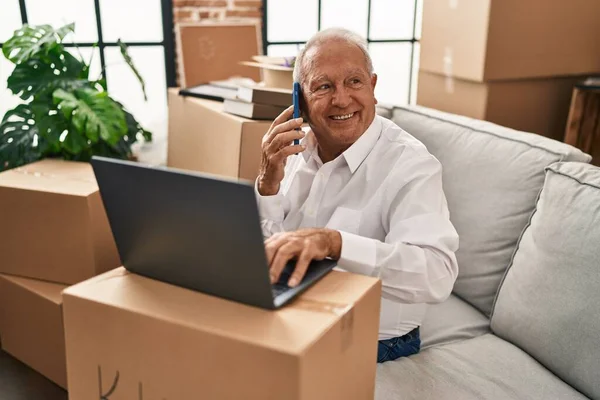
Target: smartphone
296,100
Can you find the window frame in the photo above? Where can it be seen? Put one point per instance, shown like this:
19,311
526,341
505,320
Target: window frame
413,40
168,42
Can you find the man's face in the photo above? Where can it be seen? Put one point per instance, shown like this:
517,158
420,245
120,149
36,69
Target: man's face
339,92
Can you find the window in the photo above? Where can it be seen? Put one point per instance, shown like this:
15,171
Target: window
145,25
392,29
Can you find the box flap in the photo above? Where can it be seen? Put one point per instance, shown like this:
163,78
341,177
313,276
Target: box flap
267,66
49,175
48,290
290,329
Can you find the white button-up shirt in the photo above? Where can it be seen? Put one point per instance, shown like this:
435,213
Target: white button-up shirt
384,195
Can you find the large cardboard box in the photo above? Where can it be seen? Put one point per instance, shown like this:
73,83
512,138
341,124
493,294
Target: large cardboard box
131,335
212,51
31,325
536,105
202,137
54,226
485,40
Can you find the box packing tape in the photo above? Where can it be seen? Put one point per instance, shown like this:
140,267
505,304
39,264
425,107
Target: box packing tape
346,311
37,174
448,62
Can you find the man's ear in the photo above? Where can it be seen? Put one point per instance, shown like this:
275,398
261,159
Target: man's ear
373,84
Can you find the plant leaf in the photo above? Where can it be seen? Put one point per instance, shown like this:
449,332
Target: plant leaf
129,61
92,113
45,73
18,138
134,128
31,40
57,134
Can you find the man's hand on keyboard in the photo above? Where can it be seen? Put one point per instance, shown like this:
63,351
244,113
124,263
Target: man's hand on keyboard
304,245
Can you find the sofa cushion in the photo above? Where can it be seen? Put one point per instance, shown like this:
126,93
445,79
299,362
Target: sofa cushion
492,176
452,321
549,301
486,367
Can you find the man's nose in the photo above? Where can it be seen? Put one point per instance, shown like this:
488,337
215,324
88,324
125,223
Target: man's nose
341,97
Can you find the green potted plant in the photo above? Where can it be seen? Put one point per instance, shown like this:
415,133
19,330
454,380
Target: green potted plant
64,113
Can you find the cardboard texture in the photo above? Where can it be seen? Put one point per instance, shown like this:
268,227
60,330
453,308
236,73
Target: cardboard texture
484,40
213,51
55,225
202,137
144,339
539,106
31,325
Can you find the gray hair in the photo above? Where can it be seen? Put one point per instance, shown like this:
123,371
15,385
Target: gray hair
323,36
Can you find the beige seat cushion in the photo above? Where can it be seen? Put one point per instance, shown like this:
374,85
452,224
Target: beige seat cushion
486,367
452,321
549,302
492,176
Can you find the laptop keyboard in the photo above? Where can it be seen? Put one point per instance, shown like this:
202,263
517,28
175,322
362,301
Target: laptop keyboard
279,288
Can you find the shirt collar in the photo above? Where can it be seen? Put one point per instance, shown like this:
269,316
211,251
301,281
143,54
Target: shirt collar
355,154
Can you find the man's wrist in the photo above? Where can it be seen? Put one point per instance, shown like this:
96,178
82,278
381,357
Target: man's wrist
265,189
335,244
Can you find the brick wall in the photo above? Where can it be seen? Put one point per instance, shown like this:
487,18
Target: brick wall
216,10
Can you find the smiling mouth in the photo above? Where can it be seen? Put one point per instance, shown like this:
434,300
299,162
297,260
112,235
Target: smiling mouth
342,117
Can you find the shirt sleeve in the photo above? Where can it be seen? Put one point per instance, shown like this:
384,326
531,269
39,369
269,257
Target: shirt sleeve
272,211
416,262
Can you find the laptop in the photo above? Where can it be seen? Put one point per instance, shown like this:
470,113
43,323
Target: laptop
194,230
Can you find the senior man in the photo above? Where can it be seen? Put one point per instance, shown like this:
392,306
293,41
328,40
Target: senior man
359,190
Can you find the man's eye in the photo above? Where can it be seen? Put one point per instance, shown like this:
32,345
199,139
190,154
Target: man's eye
324,86
355,81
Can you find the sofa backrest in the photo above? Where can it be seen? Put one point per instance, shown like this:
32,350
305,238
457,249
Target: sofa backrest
492,176
549,301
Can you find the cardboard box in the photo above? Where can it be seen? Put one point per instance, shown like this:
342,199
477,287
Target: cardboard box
202,137
537,105
143,336
54,226
31,325
213,51
484,40
274,76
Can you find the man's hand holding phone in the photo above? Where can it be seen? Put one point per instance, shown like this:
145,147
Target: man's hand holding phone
277,146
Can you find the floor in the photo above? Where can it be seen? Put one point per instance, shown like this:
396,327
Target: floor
19,382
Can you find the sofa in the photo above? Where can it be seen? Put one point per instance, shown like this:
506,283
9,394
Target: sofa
523,321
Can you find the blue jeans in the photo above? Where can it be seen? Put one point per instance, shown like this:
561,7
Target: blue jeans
402,346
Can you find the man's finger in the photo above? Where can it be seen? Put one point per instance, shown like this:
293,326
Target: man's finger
301,266
290,125
284,254
272,244
284,139
288,151
284,116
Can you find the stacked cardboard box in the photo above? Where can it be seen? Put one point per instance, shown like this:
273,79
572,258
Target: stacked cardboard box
130,337
203,137
258,102
512,62
54,233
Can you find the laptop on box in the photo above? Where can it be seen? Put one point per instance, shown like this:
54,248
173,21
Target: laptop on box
193,230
